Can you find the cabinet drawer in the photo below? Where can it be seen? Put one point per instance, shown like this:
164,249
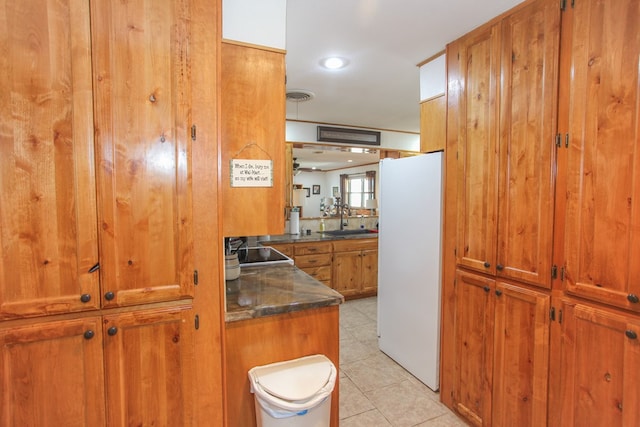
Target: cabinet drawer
313,260
355,245
312,248
286,249
322,273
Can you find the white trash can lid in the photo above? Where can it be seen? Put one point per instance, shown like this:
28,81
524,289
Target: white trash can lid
294,380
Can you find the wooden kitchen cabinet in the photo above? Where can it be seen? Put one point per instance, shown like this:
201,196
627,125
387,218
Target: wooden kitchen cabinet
502,352
355,267
506,144
315,259
601,240
554,211
148,369
600,355
96,175
473,347
48,242
143,151
433,120
252,126
477,114
526,160
52,373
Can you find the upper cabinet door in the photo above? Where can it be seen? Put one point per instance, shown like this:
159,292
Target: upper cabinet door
48,238
479,63
143,149
252,127
528,118
602,238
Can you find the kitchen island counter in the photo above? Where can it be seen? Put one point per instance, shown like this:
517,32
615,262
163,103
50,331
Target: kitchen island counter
276,289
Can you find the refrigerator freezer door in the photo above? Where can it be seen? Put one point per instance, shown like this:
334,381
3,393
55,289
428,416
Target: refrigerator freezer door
409,247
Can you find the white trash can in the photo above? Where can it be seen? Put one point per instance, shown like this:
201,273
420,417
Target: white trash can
294,393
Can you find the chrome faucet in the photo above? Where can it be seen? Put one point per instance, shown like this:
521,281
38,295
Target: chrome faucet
341,207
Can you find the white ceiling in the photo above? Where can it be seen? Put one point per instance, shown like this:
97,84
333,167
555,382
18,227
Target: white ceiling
384,41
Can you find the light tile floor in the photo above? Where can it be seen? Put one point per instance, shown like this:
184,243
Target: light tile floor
374,390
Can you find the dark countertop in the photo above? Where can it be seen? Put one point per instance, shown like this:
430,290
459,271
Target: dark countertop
313,237
276,289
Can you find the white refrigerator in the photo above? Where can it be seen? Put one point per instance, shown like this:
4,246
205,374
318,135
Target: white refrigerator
409,266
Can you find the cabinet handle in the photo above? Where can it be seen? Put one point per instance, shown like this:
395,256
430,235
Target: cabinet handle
109,296
633,298
89,334
112,331
486,289
85,298
498,292
631,334
486,264
499,267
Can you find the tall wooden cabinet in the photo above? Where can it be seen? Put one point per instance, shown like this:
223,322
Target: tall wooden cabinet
506,144
96,243
542,130
601,139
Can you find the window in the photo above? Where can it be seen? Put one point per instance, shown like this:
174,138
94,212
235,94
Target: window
357,188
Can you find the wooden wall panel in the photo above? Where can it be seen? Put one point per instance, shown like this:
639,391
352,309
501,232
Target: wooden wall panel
272,339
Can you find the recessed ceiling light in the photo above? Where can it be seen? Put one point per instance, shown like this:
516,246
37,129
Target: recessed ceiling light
334,63
349,161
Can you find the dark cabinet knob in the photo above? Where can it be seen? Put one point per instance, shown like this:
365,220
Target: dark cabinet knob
633,298
109,296
631,334
486,264
89,334
486,289
112,331
499,267
498,292
85,298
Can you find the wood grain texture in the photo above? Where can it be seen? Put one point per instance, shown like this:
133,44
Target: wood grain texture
149,369
449,226
599,382
47,187
528,117
209,294
602,239
521,356
51,375
433,124
478,149
273,339
143,118
355,267
473,373
252,126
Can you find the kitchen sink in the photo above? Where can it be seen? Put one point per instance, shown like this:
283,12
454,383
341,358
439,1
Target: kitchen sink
346,232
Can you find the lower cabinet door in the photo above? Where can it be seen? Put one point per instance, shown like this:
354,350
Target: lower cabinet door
474,347
600,367
51,374
148,368
347,273
520,356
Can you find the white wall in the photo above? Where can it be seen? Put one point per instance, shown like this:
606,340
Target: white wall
326,180
307,132
258,22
